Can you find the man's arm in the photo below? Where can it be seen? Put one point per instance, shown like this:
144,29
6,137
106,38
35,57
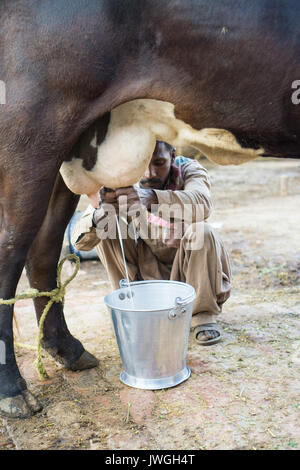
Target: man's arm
195,193
98,217
84,236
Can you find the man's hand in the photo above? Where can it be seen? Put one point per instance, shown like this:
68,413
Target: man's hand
135,197
104,196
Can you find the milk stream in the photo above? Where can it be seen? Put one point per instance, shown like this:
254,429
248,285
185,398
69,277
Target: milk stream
129,291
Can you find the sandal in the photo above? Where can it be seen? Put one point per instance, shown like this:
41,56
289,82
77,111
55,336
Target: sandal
207,327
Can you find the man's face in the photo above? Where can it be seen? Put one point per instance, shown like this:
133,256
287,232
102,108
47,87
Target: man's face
159,167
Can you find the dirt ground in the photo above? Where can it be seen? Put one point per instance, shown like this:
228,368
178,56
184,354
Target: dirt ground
243,392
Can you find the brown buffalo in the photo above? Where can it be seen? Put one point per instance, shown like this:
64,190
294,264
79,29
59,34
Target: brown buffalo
88,87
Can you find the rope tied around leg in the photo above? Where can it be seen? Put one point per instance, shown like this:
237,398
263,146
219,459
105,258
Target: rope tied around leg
57,295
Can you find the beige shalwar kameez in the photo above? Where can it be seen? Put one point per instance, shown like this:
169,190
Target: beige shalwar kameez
206,268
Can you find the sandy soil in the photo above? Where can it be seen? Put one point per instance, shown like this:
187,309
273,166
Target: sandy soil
243,393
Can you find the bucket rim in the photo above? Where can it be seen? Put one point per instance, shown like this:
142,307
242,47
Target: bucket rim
191,296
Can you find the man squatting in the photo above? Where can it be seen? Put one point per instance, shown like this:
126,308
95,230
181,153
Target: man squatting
170,185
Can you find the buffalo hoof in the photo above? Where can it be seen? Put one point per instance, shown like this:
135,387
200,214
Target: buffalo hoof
71,354
20,406
32,402
86,361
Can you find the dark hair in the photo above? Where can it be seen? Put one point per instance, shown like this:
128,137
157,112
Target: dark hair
169,147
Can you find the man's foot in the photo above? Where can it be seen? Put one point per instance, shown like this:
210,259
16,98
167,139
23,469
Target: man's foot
207,334
71,354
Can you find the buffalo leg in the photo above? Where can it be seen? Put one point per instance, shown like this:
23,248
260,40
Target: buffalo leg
41,267
24,199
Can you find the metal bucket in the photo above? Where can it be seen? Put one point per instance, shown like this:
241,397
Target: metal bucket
152,331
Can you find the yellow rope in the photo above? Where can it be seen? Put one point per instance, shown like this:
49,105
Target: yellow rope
56,295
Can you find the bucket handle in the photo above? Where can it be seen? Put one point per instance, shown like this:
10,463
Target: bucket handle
187,300
124,283
180,309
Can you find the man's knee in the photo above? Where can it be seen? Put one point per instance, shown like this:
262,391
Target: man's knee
198,235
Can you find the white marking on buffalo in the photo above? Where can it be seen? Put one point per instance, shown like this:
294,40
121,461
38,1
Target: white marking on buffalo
134,127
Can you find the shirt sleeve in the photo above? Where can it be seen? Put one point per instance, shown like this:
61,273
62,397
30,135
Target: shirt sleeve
193,203
84,236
